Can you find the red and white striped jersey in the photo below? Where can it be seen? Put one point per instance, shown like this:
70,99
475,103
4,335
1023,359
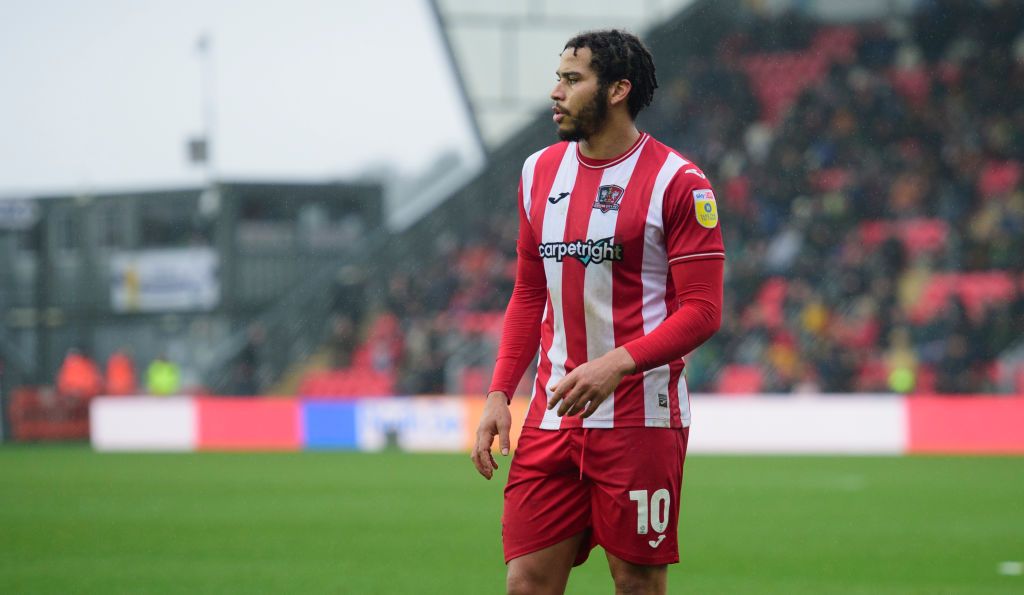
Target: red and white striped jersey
607,233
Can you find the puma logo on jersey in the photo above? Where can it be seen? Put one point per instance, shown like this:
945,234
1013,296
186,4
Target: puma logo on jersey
656,543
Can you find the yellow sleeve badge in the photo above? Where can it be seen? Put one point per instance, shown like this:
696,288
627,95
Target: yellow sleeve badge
705,208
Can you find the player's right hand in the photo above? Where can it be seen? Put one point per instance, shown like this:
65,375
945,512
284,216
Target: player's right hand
495,421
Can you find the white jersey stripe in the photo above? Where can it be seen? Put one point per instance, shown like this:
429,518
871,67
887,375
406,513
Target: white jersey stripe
699,255
554,231
684,400
654,277
597,285
528,170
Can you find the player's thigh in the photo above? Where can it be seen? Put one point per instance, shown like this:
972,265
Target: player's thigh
637,475
545,570
546,502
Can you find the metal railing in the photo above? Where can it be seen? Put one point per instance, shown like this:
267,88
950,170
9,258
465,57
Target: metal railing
293,327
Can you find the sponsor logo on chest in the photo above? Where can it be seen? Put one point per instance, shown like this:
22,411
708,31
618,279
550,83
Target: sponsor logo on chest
587,252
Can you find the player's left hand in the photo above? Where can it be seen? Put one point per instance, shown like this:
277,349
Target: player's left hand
587,386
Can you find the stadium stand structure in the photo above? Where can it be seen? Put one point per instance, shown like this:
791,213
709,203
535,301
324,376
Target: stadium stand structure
117,270
870,183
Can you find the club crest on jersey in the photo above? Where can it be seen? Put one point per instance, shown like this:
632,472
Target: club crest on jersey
705,208
588,252
608,198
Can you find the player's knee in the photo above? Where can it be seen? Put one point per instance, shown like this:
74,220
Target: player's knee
633,586
639,580
524,582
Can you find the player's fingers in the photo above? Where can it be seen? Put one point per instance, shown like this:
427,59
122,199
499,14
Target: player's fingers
571,400
475,456
580,403
589,400
482,466
561,387
555,396
577,405
564,386
504,443
592,406
482,451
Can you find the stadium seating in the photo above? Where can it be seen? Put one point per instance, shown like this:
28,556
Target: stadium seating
871,214
778,78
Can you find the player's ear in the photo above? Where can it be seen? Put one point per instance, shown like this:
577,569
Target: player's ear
619,91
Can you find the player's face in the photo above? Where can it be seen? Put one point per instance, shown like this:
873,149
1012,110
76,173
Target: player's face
581,104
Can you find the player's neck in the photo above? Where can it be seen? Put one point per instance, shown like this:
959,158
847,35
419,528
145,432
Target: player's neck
614,139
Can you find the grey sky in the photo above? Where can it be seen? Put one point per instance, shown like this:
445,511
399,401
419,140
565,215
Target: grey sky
103,94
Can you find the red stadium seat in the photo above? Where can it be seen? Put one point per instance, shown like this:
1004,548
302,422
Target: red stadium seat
475,380
351,382
926,380
778,78
923,235
736,379
978,291
913,84
830,180
771,300
999,177
919,236
873,375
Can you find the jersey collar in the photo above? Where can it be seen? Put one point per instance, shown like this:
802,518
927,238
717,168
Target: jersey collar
603,163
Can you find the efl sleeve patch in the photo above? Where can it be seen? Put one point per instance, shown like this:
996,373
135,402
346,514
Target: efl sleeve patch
705,208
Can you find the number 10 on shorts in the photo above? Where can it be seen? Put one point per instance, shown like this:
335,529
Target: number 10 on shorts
656,510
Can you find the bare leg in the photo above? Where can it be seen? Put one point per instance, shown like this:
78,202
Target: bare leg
636,579
545,571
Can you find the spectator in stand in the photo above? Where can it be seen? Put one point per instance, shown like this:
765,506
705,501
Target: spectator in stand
121,374
79,376
342,341
246,369
163,377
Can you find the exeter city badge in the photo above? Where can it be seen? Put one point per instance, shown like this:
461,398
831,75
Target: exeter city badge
705,208
608,198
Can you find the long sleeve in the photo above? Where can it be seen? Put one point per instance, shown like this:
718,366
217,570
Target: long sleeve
520,333
698,286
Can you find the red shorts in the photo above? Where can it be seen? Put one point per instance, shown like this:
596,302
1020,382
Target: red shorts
619,485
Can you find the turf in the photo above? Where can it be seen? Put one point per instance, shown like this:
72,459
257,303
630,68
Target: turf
74,521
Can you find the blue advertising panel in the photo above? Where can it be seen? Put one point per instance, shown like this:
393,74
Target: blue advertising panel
329,425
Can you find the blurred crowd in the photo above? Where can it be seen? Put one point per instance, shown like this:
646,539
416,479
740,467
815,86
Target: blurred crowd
80,377
429,312
833,276
870,184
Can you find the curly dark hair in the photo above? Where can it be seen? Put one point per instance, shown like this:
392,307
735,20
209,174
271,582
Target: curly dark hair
620,55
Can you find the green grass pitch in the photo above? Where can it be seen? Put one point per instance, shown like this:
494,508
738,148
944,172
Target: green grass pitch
74,521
